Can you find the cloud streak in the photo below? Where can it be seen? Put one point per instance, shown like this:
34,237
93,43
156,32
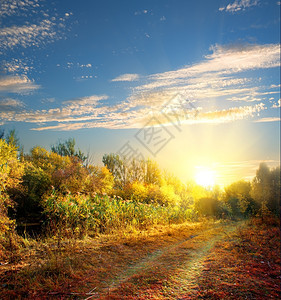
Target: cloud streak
126,77
269,119
17,84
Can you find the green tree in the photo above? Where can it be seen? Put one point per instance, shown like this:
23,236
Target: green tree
12,139
67,148
119,168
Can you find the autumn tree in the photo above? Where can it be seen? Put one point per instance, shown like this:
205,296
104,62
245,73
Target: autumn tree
10,177
152,173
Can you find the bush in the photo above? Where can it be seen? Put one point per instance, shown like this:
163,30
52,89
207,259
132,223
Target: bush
80,214
209,207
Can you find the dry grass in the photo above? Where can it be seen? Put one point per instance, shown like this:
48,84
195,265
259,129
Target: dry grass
207,260
48,269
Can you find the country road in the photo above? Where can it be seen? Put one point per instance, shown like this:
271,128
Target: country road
200,260
164,267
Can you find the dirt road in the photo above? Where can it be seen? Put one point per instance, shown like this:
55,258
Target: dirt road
203,260
166,266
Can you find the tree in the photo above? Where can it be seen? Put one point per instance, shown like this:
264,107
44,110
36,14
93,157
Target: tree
208,206
67,148
152,173
10,178
266,187
238,197
12,139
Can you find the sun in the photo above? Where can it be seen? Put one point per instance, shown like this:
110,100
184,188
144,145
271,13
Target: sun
205,177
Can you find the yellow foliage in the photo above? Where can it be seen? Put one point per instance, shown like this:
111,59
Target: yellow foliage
10,176
138,191
168,195
48,161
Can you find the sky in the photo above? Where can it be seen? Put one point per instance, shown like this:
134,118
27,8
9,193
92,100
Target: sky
190,84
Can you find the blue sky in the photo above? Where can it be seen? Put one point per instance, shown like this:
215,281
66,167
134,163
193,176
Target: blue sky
101,71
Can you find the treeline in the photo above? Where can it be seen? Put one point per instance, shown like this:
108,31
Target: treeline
63,192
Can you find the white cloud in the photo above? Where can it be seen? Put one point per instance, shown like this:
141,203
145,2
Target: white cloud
140,12
91,100
238,5
17,84
217,76
226,60
269,119
195,116
231,114
47,26
126,77
27,35
130,120
247,98
15,7
275,86
77,110
10,104
85,66
277,105
17,66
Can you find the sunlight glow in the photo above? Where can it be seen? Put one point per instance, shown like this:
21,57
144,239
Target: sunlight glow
205,177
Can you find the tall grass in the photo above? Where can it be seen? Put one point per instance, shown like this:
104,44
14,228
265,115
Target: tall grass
80,215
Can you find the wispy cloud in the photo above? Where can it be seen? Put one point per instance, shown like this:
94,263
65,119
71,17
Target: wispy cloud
17,84
269,119
126,77
10,104
76,110
238,5
91,100
195,116
225,60
231,114
217,76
